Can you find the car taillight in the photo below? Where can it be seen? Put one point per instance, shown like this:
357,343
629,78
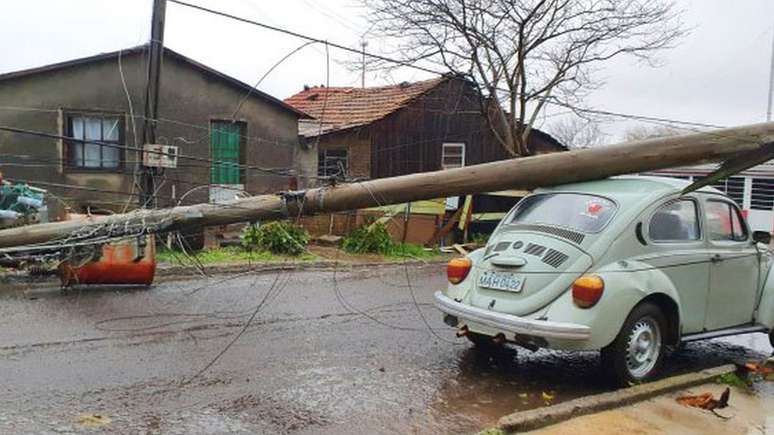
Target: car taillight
458,269
587,290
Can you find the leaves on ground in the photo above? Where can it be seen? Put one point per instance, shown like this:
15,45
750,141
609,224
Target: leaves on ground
706,400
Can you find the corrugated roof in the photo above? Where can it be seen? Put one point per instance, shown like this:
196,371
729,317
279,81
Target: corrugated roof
255,93
339,108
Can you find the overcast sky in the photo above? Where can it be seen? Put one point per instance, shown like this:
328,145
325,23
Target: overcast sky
718,75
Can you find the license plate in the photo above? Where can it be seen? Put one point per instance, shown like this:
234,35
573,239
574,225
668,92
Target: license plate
501,281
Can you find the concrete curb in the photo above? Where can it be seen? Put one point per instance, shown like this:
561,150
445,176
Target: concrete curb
541,417
170,272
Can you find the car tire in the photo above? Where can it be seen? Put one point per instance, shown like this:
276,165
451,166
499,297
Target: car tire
637,353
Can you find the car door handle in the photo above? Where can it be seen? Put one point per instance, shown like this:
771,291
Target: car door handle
716,259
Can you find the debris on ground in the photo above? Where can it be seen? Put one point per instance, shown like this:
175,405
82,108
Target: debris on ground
761,370
706,400
93,420
329,240
461,248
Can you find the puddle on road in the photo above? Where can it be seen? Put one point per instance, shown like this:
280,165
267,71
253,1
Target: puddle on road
487,388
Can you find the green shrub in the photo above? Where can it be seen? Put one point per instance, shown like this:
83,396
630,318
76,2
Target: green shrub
369,239
276,237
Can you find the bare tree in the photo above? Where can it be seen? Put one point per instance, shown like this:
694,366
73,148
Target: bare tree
577,132
523,54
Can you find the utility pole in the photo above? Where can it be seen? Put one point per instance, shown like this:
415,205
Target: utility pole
363,45
738,146
148,188
771,79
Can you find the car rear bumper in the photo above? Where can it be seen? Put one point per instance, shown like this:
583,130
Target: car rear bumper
513,324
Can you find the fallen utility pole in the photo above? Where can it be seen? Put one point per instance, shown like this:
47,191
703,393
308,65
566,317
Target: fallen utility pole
523,173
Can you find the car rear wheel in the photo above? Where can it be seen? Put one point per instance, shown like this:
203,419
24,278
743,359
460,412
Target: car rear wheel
637,353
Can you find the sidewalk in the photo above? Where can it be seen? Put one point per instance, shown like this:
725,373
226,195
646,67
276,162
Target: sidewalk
747,414
652,408
324,259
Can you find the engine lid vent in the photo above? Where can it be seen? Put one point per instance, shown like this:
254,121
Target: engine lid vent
535,249
554,258
564,233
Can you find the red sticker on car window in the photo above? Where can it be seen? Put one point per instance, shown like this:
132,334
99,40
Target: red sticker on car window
593,209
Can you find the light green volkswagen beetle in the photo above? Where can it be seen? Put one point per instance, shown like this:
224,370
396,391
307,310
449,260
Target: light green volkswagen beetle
626,265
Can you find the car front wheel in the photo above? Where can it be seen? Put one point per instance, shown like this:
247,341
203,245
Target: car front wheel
637,353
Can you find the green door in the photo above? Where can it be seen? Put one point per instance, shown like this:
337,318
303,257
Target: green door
224,142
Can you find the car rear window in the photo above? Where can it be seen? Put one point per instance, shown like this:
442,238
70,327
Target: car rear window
581,212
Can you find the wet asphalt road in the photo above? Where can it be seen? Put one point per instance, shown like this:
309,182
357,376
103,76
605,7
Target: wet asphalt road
346,356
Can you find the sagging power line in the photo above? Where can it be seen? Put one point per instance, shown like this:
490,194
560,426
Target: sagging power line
363,52
527,173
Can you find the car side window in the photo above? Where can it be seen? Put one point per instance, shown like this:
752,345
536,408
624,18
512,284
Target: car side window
675,221
724,222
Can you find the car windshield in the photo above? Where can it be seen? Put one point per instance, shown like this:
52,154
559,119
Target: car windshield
586,213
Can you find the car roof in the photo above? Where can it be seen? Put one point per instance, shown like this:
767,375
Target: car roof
631,188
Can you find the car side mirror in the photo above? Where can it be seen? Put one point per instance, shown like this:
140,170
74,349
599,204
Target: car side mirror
762,237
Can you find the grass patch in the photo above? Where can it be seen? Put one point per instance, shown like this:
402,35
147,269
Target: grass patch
226,255
403,251
735,380
232,254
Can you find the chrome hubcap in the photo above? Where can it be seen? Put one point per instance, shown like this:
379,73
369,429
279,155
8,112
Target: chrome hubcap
644,347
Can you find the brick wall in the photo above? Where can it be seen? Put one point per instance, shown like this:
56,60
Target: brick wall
358,143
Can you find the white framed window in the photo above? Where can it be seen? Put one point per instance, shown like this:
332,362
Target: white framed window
104,129
452,155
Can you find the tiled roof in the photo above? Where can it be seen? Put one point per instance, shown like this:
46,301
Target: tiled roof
342,108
